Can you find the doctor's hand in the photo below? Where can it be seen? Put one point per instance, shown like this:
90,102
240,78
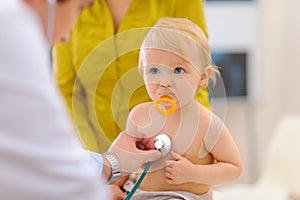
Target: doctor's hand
132,151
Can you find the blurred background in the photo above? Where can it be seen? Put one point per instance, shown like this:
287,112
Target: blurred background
256,44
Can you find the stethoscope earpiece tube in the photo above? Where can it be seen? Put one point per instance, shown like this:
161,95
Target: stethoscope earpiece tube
51,20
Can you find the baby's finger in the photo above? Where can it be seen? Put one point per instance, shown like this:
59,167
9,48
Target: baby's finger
169,180
141,146
169,163
168,174
175,155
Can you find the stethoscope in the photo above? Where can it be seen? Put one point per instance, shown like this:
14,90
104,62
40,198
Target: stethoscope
162,142
51,19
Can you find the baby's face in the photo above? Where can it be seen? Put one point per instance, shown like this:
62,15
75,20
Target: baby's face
167,74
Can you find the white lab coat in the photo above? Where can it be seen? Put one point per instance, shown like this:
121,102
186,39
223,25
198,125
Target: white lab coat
40,157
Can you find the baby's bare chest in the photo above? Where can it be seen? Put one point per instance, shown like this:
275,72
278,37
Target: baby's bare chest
187,137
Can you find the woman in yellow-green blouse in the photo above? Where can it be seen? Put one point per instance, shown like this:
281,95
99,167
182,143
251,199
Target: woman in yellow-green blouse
97,70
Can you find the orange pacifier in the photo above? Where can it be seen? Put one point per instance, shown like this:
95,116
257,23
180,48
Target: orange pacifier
165,99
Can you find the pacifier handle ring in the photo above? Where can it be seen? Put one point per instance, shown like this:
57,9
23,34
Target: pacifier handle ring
165,100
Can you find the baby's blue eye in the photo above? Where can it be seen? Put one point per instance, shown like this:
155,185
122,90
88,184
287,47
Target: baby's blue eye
179,70
154,70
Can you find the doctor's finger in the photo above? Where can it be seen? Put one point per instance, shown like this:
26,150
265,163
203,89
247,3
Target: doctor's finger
147,142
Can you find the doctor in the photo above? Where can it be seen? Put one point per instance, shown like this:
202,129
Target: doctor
40,157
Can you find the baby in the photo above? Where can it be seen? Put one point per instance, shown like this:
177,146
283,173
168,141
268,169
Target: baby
175,63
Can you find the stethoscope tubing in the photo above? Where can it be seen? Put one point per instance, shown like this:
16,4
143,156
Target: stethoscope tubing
164,149
139,181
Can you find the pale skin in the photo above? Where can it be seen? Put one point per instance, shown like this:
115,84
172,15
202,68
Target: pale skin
183,169
118,10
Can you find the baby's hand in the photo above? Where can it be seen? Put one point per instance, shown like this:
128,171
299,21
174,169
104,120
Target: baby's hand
179,170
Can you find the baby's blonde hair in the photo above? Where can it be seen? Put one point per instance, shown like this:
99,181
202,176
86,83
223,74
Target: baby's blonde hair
184,38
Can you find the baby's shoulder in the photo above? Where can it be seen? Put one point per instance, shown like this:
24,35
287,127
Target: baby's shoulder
140,109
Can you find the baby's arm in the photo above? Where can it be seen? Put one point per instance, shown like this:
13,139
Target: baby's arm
227,167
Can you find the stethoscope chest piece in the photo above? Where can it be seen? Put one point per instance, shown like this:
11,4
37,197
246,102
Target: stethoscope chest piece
162,142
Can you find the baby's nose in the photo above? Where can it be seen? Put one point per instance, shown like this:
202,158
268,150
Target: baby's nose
166,83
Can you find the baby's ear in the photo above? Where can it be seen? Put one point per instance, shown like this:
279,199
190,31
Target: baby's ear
141,68
207,72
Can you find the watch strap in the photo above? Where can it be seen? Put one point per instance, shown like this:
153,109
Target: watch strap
115,168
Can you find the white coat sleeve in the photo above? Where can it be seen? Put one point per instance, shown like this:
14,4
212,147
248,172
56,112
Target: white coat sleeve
40,156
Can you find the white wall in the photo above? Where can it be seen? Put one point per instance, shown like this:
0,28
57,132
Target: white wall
280,31
269,31
233,26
